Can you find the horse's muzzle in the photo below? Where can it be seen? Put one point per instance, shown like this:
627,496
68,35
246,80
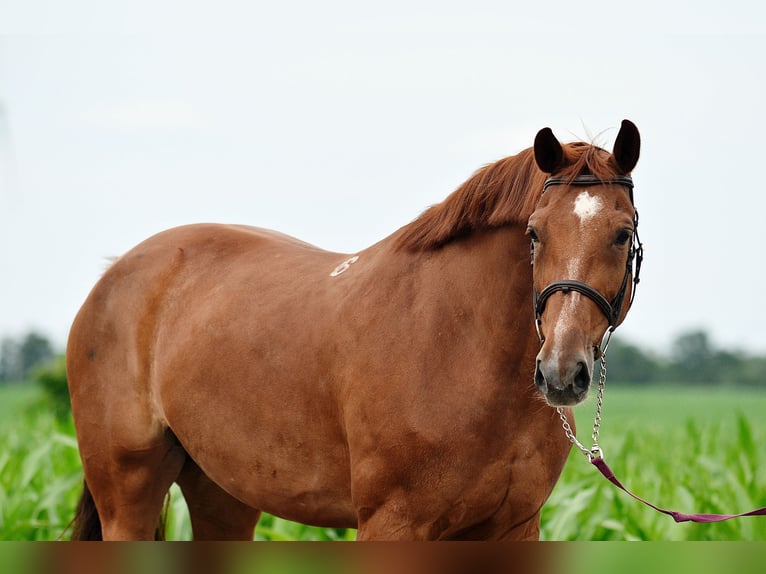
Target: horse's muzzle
563,385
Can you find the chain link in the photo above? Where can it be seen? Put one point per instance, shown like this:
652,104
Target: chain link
595,450
570,434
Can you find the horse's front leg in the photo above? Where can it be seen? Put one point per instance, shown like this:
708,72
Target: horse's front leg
397,519
510,529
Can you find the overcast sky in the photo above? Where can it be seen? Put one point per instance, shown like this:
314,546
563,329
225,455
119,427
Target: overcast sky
338,123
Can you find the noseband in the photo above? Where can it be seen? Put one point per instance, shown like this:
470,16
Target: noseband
611,309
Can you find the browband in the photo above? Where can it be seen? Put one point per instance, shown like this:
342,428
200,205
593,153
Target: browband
589,180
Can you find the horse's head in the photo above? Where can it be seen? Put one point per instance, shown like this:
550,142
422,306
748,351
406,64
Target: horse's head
584,244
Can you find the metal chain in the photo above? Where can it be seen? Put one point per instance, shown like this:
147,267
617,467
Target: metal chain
570,434
595,450
599,405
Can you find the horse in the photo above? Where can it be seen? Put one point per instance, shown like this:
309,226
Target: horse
404,390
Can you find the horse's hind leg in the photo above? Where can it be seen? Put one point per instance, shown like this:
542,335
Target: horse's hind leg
129,485
215,514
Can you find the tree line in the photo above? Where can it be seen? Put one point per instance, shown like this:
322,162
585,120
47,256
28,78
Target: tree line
21,357
692,359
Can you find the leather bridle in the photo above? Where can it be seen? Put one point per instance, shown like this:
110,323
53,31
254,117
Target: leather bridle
610,308
612,311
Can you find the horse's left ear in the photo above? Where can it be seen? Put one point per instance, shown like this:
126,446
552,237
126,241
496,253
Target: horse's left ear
549,154
627,146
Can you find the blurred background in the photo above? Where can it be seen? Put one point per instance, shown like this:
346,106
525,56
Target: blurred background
339,122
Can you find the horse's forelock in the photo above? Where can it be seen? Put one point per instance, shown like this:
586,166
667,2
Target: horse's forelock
582,158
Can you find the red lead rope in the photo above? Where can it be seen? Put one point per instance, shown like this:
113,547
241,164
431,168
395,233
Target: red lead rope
601,465
595,456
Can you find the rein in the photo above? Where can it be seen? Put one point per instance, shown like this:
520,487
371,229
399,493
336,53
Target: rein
611,310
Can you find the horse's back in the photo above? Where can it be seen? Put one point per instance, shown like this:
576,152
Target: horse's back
179,271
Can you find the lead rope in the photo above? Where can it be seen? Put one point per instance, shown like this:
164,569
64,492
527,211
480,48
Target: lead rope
595,456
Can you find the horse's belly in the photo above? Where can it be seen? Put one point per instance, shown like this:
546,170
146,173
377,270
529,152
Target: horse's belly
274,448
297,493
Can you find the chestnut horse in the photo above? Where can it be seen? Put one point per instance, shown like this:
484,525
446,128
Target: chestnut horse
393,391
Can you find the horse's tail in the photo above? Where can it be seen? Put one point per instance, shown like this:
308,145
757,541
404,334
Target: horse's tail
86,524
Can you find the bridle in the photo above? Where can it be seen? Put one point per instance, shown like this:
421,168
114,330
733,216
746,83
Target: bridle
612,309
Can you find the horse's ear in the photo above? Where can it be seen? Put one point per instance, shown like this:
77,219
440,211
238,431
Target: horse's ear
627,146
549,154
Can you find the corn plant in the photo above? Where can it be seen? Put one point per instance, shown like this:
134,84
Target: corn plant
694,450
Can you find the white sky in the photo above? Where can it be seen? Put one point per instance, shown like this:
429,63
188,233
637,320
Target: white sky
338,123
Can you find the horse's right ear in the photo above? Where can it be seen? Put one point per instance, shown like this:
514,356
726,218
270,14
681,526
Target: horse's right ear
549,154
627,146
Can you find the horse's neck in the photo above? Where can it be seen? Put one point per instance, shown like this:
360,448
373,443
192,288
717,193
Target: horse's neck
488,270
485,281
486,275
490,273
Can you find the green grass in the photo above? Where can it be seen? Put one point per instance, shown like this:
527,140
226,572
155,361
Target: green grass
40,472
41,479
15,398
689,449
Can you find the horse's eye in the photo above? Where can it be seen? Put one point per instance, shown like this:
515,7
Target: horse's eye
533,234
622,237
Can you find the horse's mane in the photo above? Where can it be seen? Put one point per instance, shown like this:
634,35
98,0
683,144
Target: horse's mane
501,193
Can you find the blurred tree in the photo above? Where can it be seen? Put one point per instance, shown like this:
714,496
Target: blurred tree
52,379
20,358
729,366
751,371
629,364
693,359
35,351
10,361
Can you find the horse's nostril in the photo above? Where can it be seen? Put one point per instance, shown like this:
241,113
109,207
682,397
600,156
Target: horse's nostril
581,379
540,378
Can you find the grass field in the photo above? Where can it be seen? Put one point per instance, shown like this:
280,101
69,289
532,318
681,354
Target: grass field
689,449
